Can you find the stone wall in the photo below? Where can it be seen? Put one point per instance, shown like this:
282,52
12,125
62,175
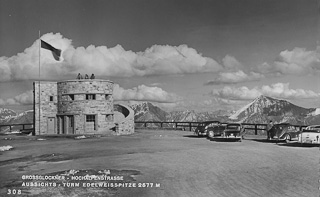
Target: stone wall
79,107
124,119
87,97
48,106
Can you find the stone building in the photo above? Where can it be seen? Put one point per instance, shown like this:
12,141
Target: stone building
81,106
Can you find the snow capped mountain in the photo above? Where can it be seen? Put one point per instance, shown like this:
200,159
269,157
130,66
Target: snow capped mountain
315,112
263,108
146,111
192,116
260,110
6,114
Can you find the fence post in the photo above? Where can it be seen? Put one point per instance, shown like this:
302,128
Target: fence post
145,124
161,124
176,126
190,126
256,129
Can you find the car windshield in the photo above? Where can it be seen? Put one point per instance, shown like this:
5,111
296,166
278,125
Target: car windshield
313,127
233,126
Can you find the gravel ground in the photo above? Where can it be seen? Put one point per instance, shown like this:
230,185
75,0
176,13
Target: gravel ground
177,163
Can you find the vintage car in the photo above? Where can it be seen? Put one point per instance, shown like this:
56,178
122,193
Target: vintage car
310,135
215,131
233,131
283,132
202,127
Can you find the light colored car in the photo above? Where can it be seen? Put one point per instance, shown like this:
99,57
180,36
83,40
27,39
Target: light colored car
310,135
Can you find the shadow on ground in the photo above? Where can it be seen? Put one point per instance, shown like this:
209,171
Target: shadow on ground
298,144
194,136
225,140
267,141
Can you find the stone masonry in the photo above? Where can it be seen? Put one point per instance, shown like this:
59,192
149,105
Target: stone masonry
79,107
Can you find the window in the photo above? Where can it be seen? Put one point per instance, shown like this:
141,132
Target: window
90,118
90,97
51,98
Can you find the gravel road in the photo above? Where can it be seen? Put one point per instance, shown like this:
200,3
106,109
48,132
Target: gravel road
176,163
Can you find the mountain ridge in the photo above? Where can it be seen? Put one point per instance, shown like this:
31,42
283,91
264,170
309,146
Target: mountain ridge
260,110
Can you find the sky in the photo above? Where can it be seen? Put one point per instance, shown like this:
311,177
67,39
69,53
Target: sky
201,55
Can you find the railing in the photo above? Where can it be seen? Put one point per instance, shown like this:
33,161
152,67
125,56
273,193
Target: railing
22,127
158,125
192,125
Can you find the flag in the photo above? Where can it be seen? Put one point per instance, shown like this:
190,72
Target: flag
55,52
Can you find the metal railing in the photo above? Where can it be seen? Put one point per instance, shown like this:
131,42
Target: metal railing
192,125
157,125
21,127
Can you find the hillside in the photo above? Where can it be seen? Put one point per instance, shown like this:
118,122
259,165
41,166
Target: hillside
263,108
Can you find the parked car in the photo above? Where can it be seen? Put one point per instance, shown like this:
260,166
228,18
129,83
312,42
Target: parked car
216,131
284,132
310,135
234,131
202,128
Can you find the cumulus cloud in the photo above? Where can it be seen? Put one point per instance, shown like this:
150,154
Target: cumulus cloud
25,98
231,63
298,61
140,93
104,61
234,77
279,90
144,93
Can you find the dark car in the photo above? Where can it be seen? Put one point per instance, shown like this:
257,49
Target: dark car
216,131
202,127
234,131
283,132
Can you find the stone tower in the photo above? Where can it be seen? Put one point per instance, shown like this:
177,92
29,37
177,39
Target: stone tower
78,107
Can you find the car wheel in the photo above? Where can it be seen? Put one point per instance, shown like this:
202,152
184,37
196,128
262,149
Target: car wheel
211,134
287,138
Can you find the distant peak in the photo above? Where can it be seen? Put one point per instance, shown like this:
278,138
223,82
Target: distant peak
263,97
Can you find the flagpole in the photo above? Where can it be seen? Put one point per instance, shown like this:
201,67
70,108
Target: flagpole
39,77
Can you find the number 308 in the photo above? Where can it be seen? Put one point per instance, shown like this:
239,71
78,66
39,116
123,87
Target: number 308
14,191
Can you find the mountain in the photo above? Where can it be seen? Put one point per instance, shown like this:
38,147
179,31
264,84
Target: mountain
263,108
146,111
24,117
260,110
192,116
6,114
9,116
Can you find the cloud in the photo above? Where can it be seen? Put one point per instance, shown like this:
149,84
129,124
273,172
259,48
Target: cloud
144,93
140,93
279,90
234,77
104,61
298,61
231,63
25,98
